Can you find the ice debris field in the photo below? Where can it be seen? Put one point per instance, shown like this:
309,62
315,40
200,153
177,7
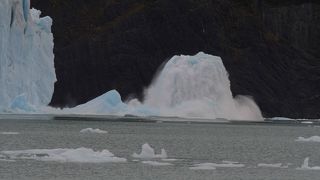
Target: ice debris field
188,86
147,157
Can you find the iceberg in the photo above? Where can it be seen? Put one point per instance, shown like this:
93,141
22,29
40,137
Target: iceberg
26,56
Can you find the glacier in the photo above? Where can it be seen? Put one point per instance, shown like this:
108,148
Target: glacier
27,73
186,86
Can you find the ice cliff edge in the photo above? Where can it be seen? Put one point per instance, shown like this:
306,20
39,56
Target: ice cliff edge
26,54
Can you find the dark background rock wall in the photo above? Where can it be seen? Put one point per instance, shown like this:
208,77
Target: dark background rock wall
269,47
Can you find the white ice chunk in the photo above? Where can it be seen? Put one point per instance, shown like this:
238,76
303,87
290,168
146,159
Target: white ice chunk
309,139
156,163
305,165
91,130
281,118
79,155
203,167
275,165
212,166
9,133
169,159
147,152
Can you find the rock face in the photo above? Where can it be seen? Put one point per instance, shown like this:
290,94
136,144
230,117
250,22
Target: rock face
269,47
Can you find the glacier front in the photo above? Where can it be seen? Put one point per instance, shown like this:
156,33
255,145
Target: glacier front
26,56
188,86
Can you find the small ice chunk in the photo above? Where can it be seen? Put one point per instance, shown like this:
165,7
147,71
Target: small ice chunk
91,130
9,133
310,139
203,166
211,166
79,155
147,152
276,165
169,159
306,122
281,118
305,165
156,163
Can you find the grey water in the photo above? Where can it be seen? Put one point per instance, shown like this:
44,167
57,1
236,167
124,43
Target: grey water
189,143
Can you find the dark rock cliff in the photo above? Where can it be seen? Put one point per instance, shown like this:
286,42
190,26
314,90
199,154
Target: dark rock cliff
269,47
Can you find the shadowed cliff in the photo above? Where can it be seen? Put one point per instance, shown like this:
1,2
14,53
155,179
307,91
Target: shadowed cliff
270,48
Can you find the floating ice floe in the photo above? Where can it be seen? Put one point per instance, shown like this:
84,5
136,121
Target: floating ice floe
147,152
156,163
9,133
79,155
212,166
91,130
276,165
305,165
309,139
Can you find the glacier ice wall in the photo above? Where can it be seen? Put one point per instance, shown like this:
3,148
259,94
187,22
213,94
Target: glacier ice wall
26,54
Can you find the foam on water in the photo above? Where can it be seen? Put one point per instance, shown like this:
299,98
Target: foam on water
79,155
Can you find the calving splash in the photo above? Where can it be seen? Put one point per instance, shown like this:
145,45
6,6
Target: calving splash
188,86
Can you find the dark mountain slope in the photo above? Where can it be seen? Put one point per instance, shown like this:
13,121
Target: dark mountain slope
270,48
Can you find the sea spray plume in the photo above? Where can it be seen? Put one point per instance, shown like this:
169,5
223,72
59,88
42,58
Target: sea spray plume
198,87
